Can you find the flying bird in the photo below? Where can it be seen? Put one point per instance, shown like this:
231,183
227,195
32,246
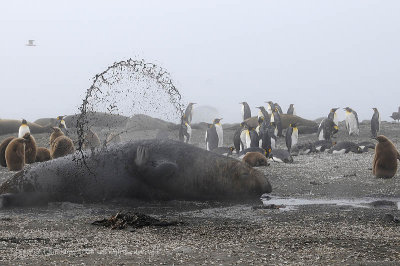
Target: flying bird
30,43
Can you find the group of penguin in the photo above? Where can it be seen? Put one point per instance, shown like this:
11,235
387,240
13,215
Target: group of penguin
262,139
15,152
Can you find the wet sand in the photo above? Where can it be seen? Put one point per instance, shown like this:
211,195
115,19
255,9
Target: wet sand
348,224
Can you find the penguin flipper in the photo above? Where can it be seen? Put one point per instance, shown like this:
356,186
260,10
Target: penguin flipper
155,173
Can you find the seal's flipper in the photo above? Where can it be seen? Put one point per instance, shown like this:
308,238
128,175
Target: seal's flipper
11,200
155,173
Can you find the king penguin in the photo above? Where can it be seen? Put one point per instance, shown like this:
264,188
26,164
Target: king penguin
62,125
292,136
220,132
245,137
23,129
263,113
237,143
352,124
254,138
326,129
211,137
189,112
291,110
270,107
246,112
278,108
185,130
276,118
333,116
375,123
272,131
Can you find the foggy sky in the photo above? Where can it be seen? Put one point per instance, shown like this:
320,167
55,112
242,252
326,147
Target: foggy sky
315,54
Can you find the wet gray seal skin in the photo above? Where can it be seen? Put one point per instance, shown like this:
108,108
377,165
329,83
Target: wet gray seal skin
149,169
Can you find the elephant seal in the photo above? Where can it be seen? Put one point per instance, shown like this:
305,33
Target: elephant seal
147,169
385,159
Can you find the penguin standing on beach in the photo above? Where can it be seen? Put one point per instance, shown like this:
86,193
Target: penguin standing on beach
237,143
291,110
270,107
189,112
375,123
276,118
245,137
326,129
185,131
246,112
263,113
220,132
211,137
352,124
333,116
272,131
254,138
292,136
62,125
265,138
278,108
23,129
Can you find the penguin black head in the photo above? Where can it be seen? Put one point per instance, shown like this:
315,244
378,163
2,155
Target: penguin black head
293,125
60,117
334,110
260,120
210,125
375,109
217,120
348,109
24,122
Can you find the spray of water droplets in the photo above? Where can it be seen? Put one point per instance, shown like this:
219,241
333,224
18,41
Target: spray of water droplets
127,88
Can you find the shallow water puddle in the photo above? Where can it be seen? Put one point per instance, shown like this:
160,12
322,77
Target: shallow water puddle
287,204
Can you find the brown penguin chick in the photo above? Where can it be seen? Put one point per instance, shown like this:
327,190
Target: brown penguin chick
385,159
61,146
15,154
255,159
92,141
3,147
55,134
30,148
42,154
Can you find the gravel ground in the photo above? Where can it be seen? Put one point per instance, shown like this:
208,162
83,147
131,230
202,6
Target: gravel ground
228,233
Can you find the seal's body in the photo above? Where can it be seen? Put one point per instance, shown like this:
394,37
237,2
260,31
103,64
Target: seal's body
148,169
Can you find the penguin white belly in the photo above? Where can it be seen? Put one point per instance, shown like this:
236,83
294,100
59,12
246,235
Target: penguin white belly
321,135
342,151
294,111
63,123
260,114
276,159
189,131
335,119
273,144
272,118
243,139
205,139
276,131
248,139
220,133
352,124
269,109
295,136
23,129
